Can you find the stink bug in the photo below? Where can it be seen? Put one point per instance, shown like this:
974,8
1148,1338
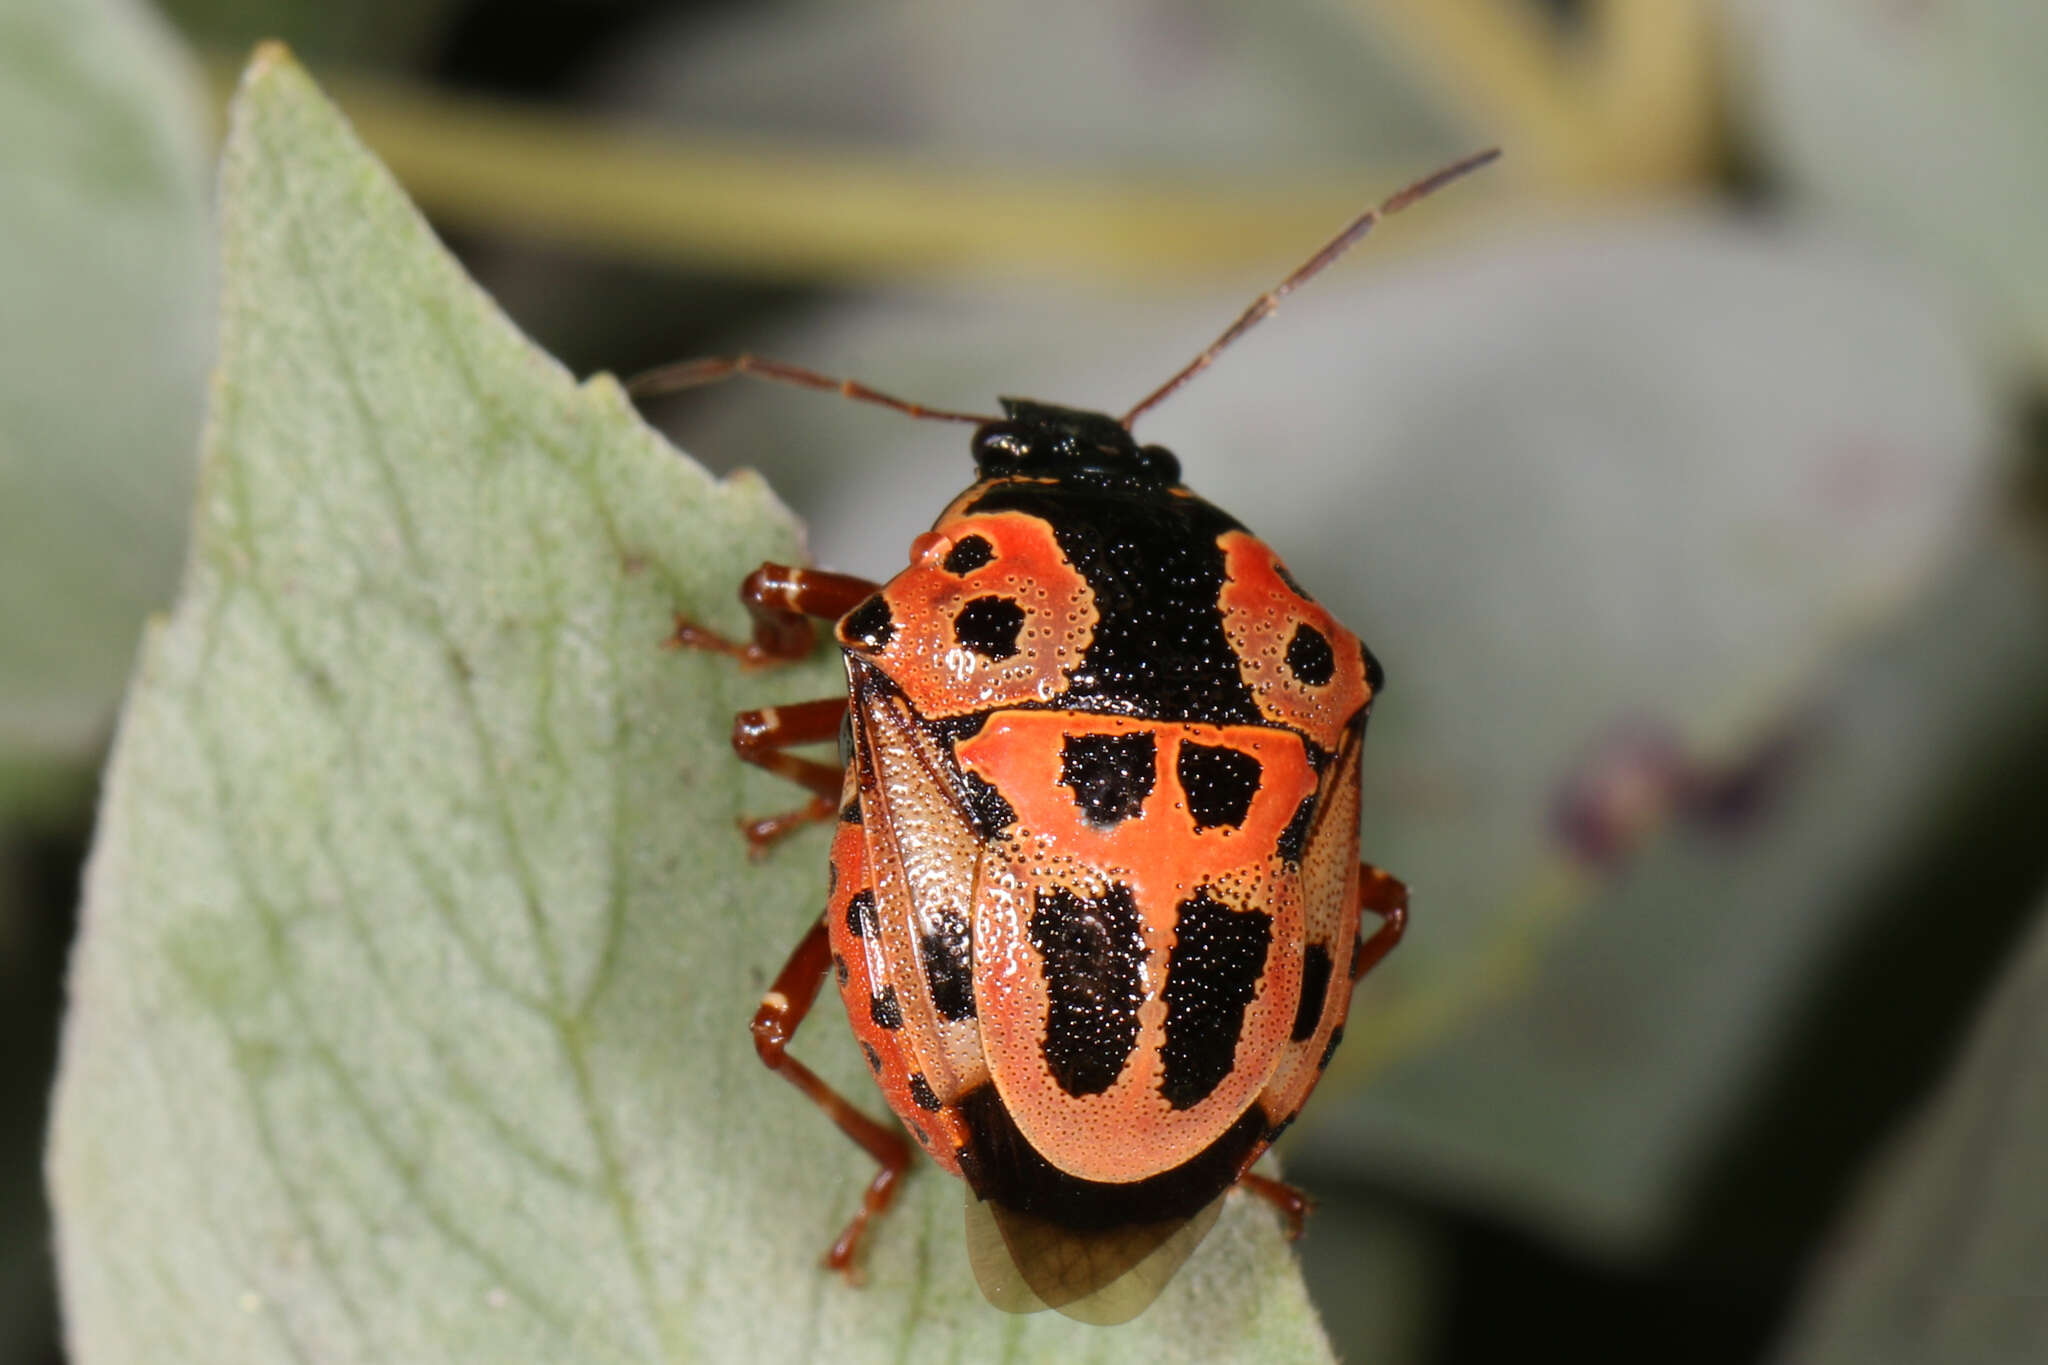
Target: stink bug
1095,895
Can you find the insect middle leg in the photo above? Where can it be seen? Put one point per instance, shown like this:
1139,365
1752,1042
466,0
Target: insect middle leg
782,1010
778,597
760,737
1386,896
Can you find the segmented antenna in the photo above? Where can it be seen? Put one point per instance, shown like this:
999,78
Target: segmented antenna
1264,305
689,374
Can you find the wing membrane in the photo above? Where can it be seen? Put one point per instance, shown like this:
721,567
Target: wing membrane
1105,1276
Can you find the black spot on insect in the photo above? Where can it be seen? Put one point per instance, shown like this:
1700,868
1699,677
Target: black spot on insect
987,811
839,968
846,739
1093,950
884,1010
869,625
1111,775
950,730
921,1091
849,814
922,1135
948,956
1213,971
1315,990
831,879
989,626
1293,841
1318,757
860,914
874,1058
1375,676
968,554
1275,1131
1219,782
1280,571
1309,656
1330,1050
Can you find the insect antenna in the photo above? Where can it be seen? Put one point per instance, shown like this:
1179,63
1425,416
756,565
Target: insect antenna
1335,247
690,374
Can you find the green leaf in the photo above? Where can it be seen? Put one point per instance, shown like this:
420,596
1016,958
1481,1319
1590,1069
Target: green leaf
104,284
1943,1257
409,1019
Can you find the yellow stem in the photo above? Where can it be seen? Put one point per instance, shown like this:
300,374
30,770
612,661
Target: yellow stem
780,209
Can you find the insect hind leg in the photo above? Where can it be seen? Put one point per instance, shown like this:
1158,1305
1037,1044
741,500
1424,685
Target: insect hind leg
1294,1206
782,1012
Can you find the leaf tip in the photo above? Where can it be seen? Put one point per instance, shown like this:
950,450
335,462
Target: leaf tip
606,388
268,56
271,63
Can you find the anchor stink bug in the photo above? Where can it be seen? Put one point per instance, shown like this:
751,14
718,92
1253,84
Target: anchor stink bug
1095,898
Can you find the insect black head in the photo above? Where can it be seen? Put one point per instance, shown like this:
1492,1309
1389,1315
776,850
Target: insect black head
1038,440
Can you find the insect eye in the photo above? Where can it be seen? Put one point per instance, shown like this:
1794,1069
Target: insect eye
1157,462
998,446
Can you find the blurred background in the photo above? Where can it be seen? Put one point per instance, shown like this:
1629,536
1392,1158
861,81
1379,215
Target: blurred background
1685,469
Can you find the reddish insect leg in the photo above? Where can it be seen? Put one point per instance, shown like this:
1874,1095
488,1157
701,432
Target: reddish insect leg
778,597
1294,1206
760,737
782,1010
1386,897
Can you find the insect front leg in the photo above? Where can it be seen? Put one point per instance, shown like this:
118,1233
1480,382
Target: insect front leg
782,1010
779,598
1387,897
760,737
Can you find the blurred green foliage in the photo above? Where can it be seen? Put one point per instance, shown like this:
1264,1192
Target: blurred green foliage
1654,1069
1943,1256
378,32
1920,125
104,278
